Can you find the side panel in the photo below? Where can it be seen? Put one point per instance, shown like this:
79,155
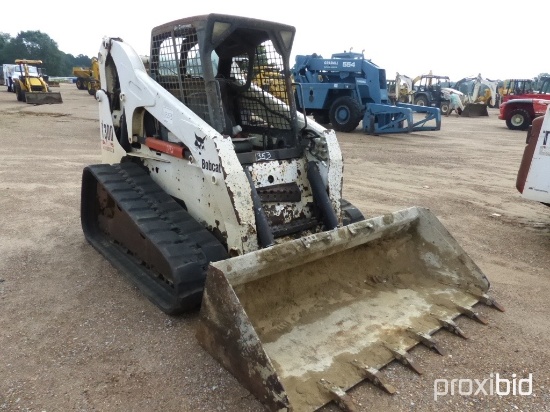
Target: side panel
314,95
537,184
531,144
210,180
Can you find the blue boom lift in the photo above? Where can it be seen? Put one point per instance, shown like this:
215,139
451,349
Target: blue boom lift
347,89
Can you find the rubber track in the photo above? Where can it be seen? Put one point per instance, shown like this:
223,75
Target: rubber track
185,244
351,213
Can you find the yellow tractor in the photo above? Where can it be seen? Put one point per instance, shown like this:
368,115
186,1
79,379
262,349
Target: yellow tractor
87,78
31,88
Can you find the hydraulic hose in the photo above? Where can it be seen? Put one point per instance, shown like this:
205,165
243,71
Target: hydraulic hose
265,234
320,196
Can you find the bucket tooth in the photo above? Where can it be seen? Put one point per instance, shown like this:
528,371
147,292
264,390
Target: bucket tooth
489,301
451,326
472,314
405,358
427,341
374,376
484,298
339,396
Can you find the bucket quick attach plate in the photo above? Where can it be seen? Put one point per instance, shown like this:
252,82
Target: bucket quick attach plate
475,110
43,98
301,322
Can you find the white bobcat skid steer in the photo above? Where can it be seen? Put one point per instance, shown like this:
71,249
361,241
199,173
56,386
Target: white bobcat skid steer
214,191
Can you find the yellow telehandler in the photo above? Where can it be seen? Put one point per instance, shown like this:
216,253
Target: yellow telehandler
213,193
32,88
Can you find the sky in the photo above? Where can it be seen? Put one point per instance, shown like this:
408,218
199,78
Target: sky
455,39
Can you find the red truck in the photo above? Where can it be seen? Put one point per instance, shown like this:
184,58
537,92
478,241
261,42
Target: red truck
519,110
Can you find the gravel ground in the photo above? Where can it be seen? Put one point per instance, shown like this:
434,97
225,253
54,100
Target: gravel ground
75,336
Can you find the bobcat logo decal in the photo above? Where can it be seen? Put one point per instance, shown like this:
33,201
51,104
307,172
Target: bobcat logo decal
199,142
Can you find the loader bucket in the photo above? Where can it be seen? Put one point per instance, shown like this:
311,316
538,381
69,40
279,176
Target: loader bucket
301,322
43,97
474,110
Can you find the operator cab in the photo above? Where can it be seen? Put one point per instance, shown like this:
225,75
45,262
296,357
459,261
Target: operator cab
230,72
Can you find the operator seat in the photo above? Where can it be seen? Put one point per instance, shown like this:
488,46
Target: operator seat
228,96
231,117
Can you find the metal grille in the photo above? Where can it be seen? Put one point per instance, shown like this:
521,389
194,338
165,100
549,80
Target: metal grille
265,103
252,99
179,69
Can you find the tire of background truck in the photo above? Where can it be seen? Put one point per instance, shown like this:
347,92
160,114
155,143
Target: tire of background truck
518,119
20,94
321,117
80,83
350,214
91,88
345,114
444,107
421,101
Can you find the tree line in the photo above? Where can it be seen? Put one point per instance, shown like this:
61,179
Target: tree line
39,46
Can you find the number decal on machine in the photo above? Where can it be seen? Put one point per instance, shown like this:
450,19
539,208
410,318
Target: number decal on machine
263,156
107,137
168,115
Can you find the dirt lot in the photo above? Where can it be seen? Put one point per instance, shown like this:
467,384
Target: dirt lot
75,336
